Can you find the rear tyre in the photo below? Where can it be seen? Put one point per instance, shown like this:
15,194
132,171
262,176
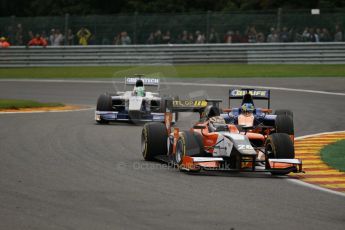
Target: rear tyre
154,140
104,103
284,124
188,144
284,112
279,145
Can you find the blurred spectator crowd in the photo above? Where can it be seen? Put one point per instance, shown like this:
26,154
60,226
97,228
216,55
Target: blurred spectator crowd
250,35
55,37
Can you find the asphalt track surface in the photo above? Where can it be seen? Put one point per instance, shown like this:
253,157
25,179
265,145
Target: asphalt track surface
62,171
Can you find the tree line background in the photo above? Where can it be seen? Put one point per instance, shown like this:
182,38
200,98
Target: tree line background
22,8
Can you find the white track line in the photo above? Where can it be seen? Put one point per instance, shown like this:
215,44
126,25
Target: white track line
316,134
302,183
174,83
258,86
299,182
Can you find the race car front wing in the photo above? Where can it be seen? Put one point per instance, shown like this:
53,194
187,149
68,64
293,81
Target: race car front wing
124,116
194,164
219,164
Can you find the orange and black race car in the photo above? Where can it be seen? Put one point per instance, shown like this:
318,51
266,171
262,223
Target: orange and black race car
212,144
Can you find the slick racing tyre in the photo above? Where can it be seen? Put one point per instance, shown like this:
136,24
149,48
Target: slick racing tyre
104,103
279,145
154,140
284,111
188,144
284,124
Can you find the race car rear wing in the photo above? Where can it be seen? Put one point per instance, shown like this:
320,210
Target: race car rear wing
254,94
173,106
190,105
146,81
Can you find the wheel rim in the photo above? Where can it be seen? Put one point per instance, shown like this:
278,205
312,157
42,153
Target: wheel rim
143,143
179,152
269,151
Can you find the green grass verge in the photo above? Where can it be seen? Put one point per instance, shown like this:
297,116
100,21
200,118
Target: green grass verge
334,155
17,104
201,70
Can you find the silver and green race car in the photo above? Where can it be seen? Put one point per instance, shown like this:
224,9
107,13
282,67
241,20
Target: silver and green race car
137,105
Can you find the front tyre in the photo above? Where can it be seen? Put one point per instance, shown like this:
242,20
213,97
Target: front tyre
188,144
154,138
280,146
104,103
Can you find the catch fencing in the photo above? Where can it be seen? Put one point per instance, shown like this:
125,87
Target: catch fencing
269,53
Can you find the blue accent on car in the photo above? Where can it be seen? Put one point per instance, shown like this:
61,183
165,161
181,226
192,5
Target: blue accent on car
123,116
260,117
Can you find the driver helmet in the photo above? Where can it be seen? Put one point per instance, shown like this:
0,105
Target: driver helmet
217,123
247,108
139,91
217,120
139,83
